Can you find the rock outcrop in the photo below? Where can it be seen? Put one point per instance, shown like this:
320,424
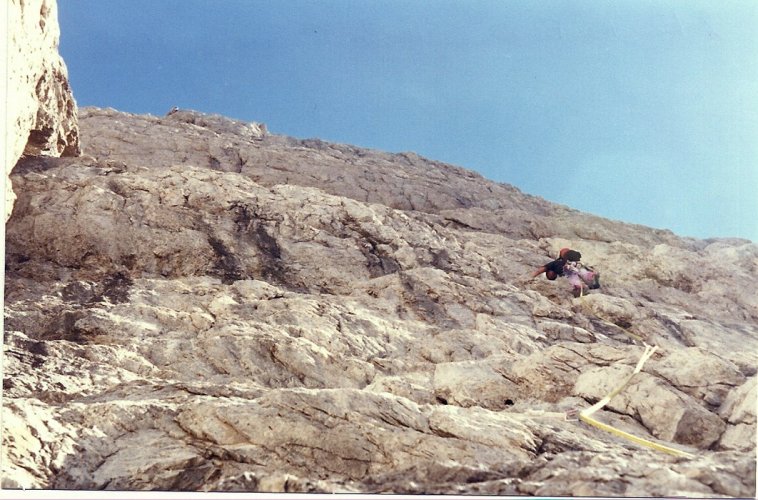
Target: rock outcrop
40,117
197,304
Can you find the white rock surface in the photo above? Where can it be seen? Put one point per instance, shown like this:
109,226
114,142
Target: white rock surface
39,111
197,304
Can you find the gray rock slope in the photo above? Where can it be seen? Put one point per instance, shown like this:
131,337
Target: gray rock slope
197,304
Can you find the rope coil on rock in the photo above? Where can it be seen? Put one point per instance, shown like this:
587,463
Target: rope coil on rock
586,414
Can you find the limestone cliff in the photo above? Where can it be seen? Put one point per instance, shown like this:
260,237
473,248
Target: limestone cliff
40,111
197,304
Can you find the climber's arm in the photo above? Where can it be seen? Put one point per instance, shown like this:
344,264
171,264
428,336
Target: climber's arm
539,271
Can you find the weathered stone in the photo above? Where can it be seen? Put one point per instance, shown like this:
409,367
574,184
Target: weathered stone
40,111
668,413
700,374
471,383
739,410
201,305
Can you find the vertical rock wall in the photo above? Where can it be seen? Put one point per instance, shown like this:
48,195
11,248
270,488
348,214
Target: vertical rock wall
40,111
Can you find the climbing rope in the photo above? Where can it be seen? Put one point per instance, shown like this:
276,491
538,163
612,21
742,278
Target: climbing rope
625,330
586,414
645,356
635,439
609,322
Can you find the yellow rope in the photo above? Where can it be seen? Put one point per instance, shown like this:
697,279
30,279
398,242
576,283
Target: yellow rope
633,438
609,322
586,414
645,356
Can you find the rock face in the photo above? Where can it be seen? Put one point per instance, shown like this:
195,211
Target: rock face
196,304
40,118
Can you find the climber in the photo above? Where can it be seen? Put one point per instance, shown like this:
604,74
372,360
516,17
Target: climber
567,264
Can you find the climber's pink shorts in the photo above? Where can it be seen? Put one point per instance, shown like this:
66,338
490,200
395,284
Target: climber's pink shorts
578,276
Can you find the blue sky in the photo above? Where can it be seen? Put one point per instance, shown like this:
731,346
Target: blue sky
635,110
